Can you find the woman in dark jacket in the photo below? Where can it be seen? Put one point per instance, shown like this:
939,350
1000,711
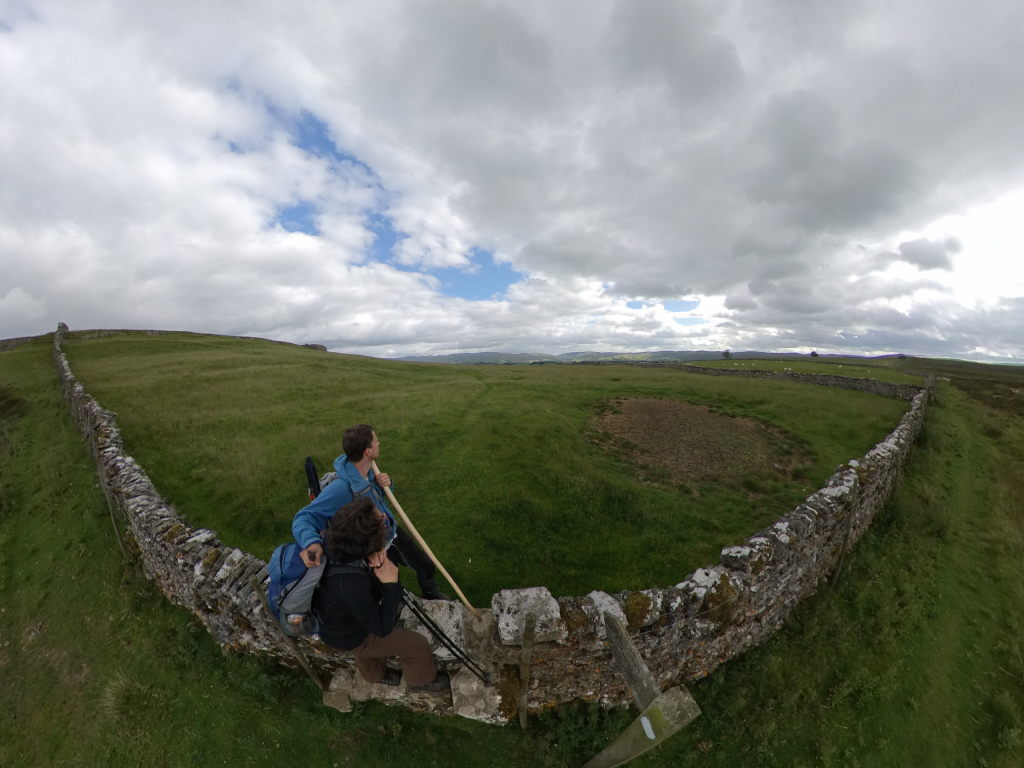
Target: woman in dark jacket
357,606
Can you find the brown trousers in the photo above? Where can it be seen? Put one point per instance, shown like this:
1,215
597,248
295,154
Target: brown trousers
410,647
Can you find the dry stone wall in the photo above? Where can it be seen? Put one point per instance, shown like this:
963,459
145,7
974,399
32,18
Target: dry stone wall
872,386
683,631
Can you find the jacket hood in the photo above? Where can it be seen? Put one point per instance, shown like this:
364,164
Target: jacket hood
346,469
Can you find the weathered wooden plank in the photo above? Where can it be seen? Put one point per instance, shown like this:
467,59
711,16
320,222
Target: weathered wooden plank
635,672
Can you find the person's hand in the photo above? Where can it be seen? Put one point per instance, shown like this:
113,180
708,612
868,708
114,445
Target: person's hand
311,554
383,479
385,571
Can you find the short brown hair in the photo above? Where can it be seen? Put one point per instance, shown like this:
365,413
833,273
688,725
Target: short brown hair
356,440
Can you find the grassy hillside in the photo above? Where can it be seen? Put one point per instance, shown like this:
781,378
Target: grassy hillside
912,657
490,461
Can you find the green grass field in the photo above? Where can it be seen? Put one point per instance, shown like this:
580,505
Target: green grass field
490,461
913,656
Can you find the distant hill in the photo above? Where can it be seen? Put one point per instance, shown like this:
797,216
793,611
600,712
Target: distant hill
483,358
660,356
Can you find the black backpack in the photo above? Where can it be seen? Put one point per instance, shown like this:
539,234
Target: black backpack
293,587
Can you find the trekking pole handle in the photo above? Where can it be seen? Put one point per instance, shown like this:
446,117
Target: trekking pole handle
419,540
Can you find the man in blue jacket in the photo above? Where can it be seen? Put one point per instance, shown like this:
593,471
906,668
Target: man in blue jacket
357,478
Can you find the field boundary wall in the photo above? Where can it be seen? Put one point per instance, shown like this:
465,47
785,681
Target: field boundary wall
683,631
872,386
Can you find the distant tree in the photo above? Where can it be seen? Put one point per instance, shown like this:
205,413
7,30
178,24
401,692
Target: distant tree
727,354
813,353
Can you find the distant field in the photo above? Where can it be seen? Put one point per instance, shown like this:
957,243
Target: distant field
509,471
855,368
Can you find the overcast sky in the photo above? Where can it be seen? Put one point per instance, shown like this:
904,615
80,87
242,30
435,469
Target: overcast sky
395,178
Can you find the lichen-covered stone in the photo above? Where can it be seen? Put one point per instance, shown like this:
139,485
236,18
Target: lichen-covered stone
575,621
230,562
450,616
641,608
472,699
338,693
746,559
595,606
511,606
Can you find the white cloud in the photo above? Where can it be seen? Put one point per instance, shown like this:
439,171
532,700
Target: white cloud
845,177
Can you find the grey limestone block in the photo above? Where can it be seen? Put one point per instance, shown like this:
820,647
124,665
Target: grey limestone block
202,536
744,558
240,579
595,605
338,693
841,485
511,606
475,701
401,695
232,560
642,607
801,522
449,615
705,590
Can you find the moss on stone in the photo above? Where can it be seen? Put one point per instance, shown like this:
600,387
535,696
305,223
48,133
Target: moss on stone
573,617
211,557
173,531
637,607
509,689
721,604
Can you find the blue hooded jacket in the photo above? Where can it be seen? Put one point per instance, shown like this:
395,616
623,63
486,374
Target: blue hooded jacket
313,518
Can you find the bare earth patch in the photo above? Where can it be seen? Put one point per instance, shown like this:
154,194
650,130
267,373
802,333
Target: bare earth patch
683,443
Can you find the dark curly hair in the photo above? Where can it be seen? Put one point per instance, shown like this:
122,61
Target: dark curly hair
356,531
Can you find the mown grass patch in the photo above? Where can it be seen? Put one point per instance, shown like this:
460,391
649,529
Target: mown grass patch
671,441
494,463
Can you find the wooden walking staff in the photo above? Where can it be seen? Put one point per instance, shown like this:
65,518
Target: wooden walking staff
419,539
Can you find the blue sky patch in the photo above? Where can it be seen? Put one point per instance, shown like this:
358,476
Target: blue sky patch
300,217
385,236
490,280
690,320
670,305
680,305
311,135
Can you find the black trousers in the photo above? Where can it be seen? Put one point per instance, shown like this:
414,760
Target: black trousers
405,551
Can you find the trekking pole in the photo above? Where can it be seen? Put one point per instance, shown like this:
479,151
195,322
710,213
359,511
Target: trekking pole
312,479
459,653
292,645
419,539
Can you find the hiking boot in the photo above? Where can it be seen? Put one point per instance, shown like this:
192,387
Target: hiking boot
429,590
436,687
391,677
